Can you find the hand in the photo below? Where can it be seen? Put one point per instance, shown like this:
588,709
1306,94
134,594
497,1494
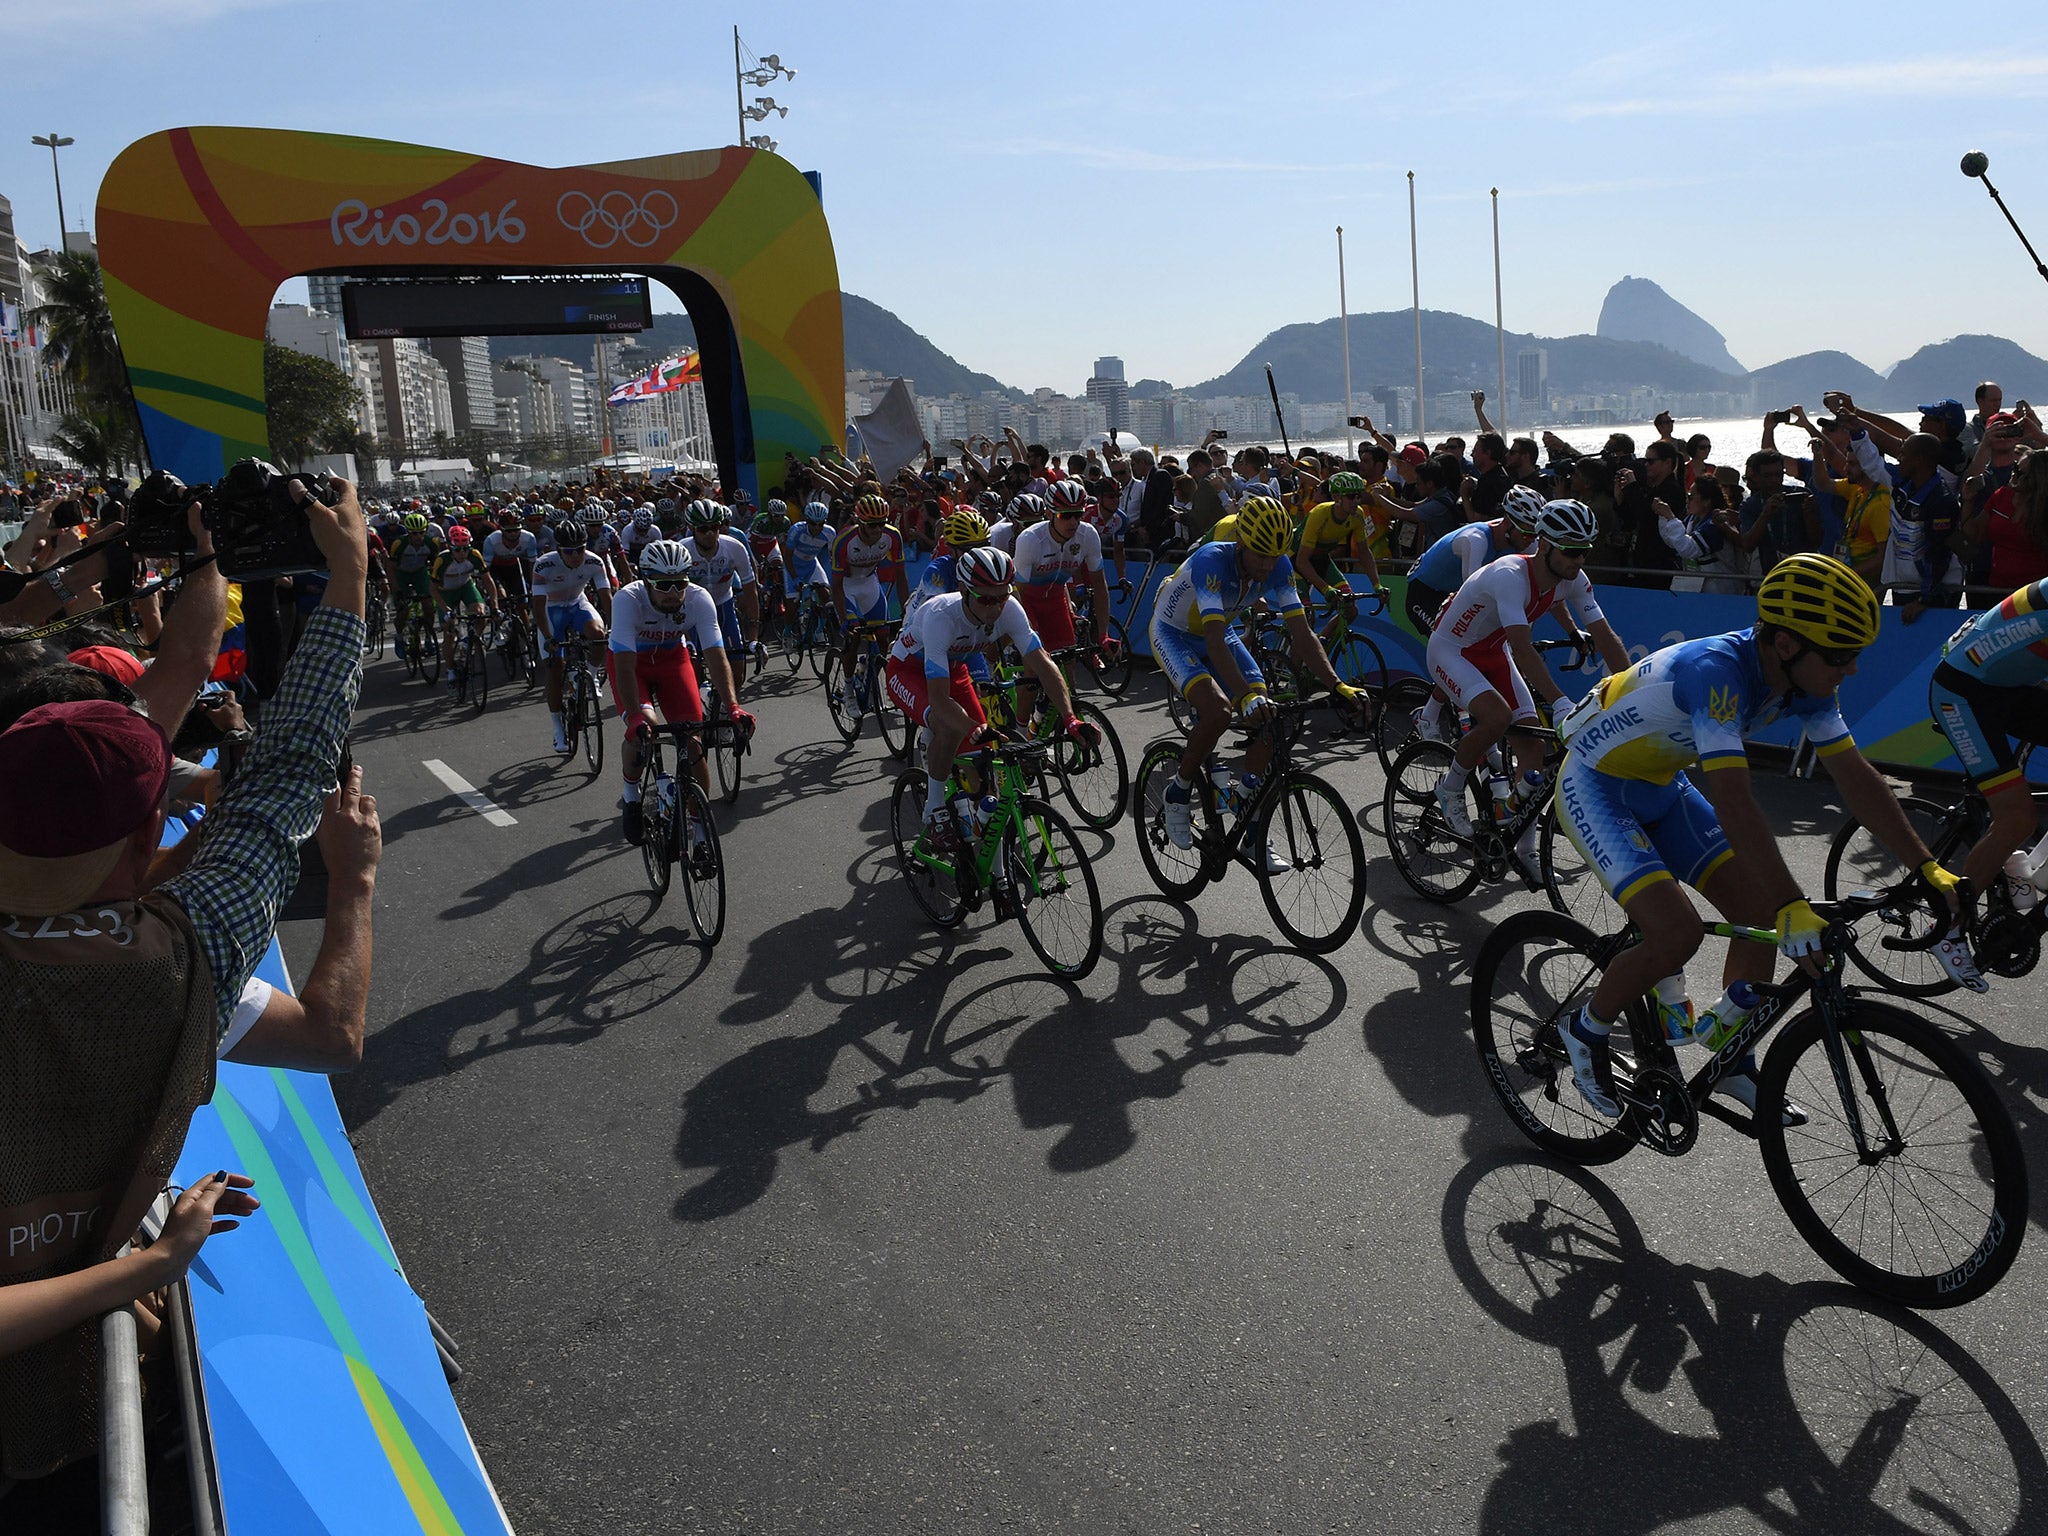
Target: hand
1257,708
1624,478
1952,889
1799,931
1478,399
1080,732
1110,648
350,837
227,716
1348,696
1909,611
742,719
340,532
1663,510
197,1216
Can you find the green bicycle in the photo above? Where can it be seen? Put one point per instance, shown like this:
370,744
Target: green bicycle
1016,852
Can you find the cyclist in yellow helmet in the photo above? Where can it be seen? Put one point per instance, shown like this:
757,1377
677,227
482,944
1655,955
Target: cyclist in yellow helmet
1644,823
1204,658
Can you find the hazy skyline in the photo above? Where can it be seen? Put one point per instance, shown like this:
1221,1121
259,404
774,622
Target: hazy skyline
1163,183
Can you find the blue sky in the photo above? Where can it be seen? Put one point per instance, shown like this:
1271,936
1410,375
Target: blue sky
1033,186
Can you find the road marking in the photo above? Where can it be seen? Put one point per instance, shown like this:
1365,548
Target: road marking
469,794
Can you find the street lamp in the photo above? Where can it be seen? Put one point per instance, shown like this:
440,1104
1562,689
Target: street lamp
767,69
54,142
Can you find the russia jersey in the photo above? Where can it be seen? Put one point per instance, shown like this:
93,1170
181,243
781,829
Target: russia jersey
639,626
1043,560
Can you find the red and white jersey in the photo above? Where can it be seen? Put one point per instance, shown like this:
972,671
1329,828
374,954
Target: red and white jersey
728,562
1043,560
860,560
640,627
1503,594
943,633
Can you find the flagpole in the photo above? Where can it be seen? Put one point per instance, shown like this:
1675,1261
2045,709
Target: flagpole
1500,336
1415,289
1344,320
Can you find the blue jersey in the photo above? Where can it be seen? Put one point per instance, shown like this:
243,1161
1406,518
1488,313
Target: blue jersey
810,543
2006,646
1693,702
1211,588
1446,563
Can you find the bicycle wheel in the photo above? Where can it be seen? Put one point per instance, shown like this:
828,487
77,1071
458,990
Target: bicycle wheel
821,639
1359,661
898,732
1097,782
1438,864
841,699
1394,725
1317,900
1858,861
1178,872
657,825
1114,676
415,647
373,626
725,767
532,660
478,664
1569,881
1051,889
1534,970
591,711
1937,1217
703,863
792,639
933,889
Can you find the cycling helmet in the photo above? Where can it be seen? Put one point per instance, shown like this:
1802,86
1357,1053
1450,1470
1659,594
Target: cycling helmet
871,509
1819,599
508,519
704,513
964,529
644,514
475,509
1567,524
569,533
989,503
1345,483
666,560
1264,527
816,512
984,569
415,522
776,507
1025,508
593,515
1067,498
1521,506
459,536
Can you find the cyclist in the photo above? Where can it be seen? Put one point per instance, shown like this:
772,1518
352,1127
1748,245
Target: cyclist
1020,513
564,584
535,521
1334,529
867,570
928,677
764,538
1449,563
461,578
1205,659
805,550
1988,688
1481,657
412,559
655,620
511,551
641,531
1642,823
723,566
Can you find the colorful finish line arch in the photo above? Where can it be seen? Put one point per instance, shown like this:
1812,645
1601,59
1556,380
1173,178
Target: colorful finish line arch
199,226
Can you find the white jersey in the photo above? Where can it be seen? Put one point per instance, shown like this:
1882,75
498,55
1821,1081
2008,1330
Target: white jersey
732,562
560,583
1003,536
505,551
636,536
640,627
1503,594
1044,560
943,633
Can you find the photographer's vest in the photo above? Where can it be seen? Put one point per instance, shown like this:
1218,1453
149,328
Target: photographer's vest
107,1037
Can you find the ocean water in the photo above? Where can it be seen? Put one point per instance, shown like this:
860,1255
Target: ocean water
1734,438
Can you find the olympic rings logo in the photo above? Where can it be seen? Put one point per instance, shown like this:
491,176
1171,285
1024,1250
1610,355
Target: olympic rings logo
604,221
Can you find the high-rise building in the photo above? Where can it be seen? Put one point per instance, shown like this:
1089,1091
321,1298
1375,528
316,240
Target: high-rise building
575,401
409,393
471,391
1532,378
324,294
11,255
1108,388
1110,368
307,330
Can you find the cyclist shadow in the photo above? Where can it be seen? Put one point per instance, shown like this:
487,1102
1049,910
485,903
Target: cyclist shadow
818,769
538,780
1812,1407
2021,1073
612,962
598,842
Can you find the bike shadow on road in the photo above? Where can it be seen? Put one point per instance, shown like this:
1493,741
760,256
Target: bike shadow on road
2020,1071
1692,1392
614,961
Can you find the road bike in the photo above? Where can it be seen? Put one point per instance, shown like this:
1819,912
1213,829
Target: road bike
1901,1167
518,644
1107,666
727,749
422,641
852,697
1094,776
1892,945
582,702
472,675
808,628
1313,883
373,624
677,832
1015,852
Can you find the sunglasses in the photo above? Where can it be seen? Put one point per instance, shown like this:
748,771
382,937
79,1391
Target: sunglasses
675,585
978,595
1833,656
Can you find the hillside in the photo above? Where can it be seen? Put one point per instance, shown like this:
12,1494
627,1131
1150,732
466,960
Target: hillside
1802,380
1458,352
1955,367
1636,309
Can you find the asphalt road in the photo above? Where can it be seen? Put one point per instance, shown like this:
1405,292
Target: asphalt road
848,1226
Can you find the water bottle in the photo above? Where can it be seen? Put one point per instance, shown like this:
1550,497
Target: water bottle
1526,790
1247,791
1674,1010
963,807
1720,1022
985,811
1225,791
1500,794
2025,872
665,795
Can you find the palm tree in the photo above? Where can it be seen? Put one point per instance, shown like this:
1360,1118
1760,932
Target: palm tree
102,430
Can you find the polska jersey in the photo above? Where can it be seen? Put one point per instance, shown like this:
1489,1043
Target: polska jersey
640,627
943,633
730,561
1502,595
559,583
1044,560
1693,702
1210,587
2006,646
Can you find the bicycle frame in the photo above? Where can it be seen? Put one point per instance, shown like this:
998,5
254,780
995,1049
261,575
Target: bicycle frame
1006,773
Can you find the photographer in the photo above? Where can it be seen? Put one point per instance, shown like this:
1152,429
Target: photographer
114,997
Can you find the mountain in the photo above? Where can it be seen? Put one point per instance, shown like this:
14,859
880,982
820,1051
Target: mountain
1954,368
1636,309
1801,380
1458,353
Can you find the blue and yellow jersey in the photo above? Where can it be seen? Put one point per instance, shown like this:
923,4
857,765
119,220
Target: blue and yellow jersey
1211,588
2006,646
1693,703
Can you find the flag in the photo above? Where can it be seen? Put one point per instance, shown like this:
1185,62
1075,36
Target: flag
893,434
